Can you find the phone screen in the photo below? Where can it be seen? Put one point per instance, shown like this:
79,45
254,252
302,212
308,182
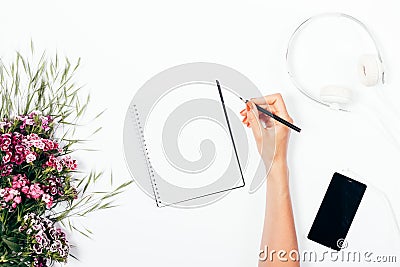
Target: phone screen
337,211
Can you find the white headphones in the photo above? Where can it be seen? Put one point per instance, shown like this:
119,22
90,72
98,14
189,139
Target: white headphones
370,69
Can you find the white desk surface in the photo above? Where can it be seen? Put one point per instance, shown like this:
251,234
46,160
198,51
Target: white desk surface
124,43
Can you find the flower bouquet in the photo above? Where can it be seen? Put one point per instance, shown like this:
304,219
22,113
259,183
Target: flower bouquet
40,187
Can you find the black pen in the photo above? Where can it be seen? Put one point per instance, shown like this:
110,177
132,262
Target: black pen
268,113
275,117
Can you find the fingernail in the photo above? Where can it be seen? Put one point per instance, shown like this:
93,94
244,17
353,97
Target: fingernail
247,107
243,120
248,124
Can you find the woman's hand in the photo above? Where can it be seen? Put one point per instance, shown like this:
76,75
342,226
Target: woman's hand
269,139
279,232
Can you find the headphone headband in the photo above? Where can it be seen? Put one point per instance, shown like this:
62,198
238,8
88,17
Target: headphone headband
308,21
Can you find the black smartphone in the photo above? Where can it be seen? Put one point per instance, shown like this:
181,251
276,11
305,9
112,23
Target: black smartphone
337,211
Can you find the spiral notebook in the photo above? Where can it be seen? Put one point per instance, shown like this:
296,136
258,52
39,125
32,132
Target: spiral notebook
166,193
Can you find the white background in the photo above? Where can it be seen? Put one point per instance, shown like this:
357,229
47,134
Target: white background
125,43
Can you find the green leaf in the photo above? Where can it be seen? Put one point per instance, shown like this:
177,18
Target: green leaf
11,244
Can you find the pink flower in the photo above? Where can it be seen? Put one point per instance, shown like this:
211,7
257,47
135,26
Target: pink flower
38,144
21,118
7,157
8,197
16,185
25,189
45,123
33,136
16,138
4,124
59,166
10,194
44,119
35,191
49,144
19,149
53,191
70,163
6,139
19,181
52,161
6,135
48,200
6,170
29,121
30,157
34,113
39,238
17,199
5,142
18,159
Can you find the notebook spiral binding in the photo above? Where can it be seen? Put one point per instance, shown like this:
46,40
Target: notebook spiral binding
145,150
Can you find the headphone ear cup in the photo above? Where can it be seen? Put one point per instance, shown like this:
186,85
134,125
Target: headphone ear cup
369,70
338,95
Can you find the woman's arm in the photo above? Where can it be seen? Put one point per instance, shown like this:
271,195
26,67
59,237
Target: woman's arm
279,242
279,229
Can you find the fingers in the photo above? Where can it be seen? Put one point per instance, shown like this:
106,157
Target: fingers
266,121
244,113
276,103
253,119
246,122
